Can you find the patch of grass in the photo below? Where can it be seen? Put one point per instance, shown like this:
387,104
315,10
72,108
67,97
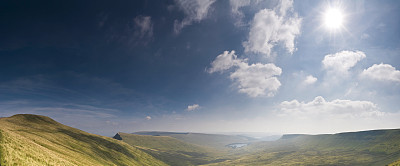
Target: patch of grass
38,140
396,163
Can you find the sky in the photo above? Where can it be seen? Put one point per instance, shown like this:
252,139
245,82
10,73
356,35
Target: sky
276,66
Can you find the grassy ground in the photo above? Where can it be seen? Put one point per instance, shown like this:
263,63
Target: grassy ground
396,163
38,140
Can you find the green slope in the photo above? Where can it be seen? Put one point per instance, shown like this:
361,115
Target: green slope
171,150
396,163
377,147
38,140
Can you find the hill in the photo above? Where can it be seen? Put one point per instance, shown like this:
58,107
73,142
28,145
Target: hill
27,139
171,150
376,147
216,141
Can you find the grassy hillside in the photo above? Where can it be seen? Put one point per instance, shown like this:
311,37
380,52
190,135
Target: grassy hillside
171,150
396,163
38,140
378,147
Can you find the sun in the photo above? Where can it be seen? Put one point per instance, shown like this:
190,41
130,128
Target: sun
333,19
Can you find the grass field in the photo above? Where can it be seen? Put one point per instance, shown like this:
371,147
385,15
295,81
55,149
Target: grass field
38,140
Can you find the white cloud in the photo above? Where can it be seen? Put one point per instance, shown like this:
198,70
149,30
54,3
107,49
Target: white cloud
365,36
224,62
195,11
342,61
144,26
193,107
284,6
257,79
271,27
148,117
382,72
254,80
236,4
310,80
238,15
319,107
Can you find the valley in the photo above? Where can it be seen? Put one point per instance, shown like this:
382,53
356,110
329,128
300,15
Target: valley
27,139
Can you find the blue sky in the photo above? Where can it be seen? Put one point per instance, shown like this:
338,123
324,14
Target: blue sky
203,66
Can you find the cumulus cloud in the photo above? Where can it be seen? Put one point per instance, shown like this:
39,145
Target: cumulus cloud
148,117
225,61
254,79
271,27
194,10
342,61
319,107
382,72
144,26
310,80
193,107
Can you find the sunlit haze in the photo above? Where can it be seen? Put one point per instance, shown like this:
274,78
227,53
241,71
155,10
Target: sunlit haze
333,18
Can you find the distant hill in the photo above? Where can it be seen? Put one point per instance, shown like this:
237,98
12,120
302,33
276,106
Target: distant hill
216,141
27,139
171,150
185,148
375,147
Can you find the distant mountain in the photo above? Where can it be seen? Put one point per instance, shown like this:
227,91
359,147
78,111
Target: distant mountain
159,133
171,150
216,141
27,139
375,147
291,136
185,148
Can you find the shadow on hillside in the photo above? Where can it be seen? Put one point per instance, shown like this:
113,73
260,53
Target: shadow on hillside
97,142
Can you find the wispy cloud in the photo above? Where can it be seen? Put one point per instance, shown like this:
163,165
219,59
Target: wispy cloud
236,13
319,107
144,27
193,107
381,72
271,27
194,10
254,79
56,109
